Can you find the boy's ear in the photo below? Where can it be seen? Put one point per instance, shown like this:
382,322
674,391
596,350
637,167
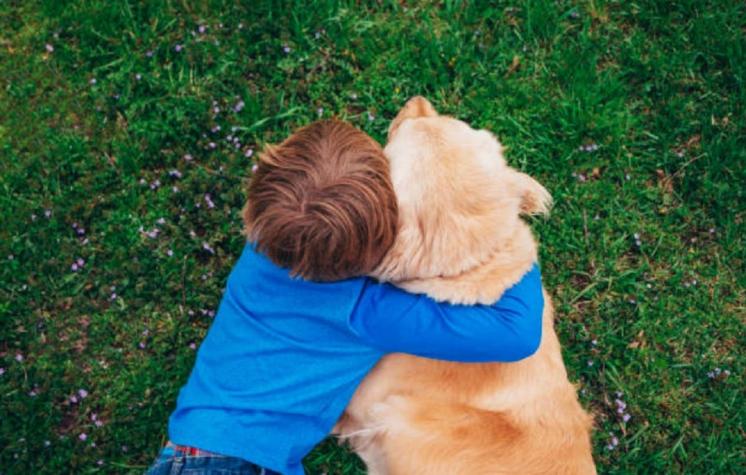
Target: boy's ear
535,199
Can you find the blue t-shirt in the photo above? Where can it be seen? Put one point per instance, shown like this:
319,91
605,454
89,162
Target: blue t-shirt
285,355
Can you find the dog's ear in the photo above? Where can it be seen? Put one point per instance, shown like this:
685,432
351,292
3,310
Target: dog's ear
417,106
535,199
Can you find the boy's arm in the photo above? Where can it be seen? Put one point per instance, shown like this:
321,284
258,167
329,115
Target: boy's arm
393,320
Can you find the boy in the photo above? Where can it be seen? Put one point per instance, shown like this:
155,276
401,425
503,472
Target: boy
298,329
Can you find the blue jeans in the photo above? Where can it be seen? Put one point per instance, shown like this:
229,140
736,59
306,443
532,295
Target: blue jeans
172,461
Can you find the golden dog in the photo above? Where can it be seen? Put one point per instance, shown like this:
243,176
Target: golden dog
461,240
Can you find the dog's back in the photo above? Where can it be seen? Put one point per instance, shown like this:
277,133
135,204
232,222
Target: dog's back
461,240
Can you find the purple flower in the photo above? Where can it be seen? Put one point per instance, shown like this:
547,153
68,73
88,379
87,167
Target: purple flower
178,48
82,393
187,158
248,153
717,372
192,346
626,417
99,462
19,357
589,148
49,47
169,252
208,248
141,345
254,168
286,49
613,442
83,436
2,371
320,111
202,28
149,53
239,106
73,399
209,201
212,145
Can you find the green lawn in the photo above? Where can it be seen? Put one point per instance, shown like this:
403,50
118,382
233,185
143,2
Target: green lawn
127,132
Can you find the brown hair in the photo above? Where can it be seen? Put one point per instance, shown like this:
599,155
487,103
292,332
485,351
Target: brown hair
322,204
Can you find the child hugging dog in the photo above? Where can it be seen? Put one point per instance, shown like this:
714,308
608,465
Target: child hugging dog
300,325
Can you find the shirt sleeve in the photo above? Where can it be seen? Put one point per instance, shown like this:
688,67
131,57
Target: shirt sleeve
392,320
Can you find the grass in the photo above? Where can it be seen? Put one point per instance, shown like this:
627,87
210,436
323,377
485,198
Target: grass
631,113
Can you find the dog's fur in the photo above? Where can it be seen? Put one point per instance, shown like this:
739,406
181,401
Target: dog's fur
461,240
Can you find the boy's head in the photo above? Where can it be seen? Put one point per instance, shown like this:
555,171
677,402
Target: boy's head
321,203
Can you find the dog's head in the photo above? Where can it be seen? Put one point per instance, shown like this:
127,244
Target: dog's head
459,201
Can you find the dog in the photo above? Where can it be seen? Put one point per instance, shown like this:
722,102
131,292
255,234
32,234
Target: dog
461,239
